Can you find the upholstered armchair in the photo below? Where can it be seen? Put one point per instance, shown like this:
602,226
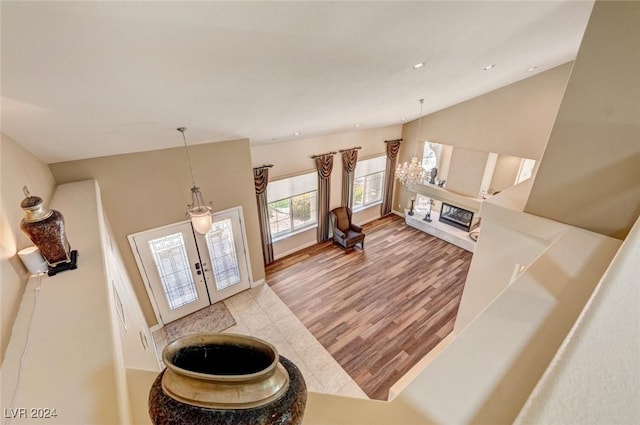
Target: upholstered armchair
345,233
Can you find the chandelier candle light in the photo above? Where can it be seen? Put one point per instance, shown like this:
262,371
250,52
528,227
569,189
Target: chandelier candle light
201,214
412,173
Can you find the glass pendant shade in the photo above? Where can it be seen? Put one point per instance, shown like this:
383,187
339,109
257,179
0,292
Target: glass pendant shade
201,214
201,219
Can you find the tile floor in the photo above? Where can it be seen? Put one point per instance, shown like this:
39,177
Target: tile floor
261,313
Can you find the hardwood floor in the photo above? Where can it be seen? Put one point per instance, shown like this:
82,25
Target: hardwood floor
377,311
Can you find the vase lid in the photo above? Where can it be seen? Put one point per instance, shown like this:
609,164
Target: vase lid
34,209
31,203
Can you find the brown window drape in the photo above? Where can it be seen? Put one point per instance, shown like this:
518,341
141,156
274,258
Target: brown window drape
349,161
393,147
261,179
324,166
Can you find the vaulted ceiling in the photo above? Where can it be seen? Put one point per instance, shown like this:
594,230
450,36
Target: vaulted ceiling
87,79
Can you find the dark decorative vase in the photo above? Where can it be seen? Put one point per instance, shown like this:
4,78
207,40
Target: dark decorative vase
434,174
226,379
45,229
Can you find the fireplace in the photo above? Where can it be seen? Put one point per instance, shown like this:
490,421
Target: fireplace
456,216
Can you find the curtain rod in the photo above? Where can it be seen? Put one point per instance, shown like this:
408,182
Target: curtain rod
263,166
350,149
391,141
323,154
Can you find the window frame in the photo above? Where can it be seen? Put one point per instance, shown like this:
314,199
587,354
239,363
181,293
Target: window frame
365,204
293,229
365,170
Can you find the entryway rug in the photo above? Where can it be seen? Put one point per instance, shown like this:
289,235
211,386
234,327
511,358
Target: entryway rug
215,318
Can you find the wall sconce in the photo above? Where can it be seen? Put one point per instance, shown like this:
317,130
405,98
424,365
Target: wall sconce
33,261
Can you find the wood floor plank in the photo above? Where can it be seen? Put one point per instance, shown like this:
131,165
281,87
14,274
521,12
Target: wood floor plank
377,311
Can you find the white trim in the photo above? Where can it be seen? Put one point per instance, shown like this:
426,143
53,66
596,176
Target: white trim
366,207
145,278
244,239
295,232
257,283
158,354
154,328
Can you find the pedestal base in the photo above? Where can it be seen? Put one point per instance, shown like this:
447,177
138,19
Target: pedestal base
442,231
71,265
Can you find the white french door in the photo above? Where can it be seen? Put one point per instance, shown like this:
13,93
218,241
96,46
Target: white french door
223,252
185,271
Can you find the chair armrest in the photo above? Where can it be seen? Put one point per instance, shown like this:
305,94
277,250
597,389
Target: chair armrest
339,233
356,228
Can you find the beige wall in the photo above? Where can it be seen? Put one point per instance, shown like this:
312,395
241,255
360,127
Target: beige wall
590,173
19,168
466,171
150,189
601,354
505,173
513,120
293,157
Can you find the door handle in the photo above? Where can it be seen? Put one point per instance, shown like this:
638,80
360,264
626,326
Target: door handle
198,271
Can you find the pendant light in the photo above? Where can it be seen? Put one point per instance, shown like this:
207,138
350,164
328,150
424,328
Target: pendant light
410,174
200,213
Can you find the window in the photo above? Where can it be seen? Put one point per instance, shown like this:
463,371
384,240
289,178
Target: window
526,169
292,204
368,182
430,157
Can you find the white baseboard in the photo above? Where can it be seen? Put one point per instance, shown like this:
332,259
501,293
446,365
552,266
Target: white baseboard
255,284
401,214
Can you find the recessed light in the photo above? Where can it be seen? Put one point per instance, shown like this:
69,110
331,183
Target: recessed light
403,119
297,133
419,65
357,125
533,68
488,67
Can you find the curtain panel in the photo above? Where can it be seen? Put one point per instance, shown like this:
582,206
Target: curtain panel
324,166
349,161
261,179
393,147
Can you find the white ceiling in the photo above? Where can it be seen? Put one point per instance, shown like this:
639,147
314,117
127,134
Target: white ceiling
87,79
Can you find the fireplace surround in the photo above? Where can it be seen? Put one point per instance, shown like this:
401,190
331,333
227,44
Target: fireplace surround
456,216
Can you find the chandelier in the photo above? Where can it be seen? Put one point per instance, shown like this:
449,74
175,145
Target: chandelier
200,213
412,173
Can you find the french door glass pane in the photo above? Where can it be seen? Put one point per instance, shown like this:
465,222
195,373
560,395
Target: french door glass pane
222,249
170,256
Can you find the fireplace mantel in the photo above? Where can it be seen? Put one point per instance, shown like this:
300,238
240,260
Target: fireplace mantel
440,230
442,194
